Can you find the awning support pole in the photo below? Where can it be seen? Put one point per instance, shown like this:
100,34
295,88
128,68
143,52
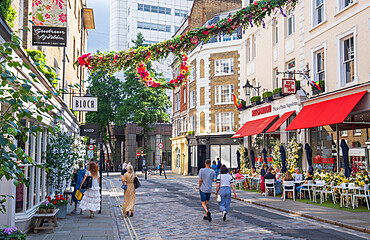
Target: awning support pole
337,128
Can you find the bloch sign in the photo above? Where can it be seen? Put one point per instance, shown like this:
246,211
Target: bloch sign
86,104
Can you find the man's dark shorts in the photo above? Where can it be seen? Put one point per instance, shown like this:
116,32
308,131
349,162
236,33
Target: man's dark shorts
204,196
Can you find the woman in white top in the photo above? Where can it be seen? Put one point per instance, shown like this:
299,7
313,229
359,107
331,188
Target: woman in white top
91,199
224,182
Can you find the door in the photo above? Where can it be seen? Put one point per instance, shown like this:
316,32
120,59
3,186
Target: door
201,156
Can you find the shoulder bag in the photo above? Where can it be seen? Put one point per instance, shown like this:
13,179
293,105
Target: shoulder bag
137,183
88,183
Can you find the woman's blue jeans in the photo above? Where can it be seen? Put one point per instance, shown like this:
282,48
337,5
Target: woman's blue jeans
225,193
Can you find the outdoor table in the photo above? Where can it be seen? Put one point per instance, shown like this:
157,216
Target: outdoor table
347,188
50,217
313,187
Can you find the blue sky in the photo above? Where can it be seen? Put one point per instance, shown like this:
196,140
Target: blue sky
98,38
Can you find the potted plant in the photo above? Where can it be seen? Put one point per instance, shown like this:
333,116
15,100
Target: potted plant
297,85
277,93
316,91
12,233
267,96
46,207
256,100
61,203
190,133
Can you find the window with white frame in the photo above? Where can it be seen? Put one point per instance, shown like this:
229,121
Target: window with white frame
276,78
249,50
225,38
224,66
275,31
184,95
254,47
320,65
345,3
290,22
224,93
178,128
224,121
357,132
192,99
290,68
344,133
348,60
192,75
318,11
192,123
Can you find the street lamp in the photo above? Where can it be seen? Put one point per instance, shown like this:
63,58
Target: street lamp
248,89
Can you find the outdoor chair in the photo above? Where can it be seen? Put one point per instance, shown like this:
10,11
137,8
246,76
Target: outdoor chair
269,184
366,195
345,192
324,193
288,184
240,183
318,191
308,189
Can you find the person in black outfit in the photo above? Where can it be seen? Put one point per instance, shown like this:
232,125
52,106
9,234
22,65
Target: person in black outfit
269,175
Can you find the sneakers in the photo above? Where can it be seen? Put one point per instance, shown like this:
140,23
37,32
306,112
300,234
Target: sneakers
205,217
209,216
224,215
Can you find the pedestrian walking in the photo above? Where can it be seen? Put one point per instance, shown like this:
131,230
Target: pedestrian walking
225,183
206,177
263,172
77,179
130,194
91,199
218,164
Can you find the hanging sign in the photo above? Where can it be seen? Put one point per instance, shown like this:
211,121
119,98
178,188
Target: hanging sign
86,104
50,23
91,147
90,130
289,86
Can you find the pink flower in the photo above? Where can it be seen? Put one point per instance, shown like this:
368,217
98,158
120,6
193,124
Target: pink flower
63,17
205,32
47,16
194,40
229,20
255,2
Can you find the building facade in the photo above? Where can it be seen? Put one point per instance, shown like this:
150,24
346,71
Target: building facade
24,205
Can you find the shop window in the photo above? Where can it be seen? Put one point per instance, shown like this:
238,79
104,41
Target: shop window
224,93
224,66
344,133
357,132
224,122
318,12
290,22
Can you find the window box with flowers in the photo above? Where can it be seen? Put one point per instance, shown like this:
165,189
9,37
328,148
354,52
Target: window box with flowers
277,93
46,207
256,100
12,233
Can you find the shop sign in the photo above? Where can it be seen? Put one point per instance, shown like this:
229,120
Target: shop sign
86,104
90,130
289,86
261,110
49,19
320,160
283,106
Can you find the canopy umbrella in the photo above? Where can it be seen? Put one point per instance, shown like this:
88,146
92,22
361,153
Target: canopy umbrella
238,158
309,157
283,159
345,149
264,152
253,160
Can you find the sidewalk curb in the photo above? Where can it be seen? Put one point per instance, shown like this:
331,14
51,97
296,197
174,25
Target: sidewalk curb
365,230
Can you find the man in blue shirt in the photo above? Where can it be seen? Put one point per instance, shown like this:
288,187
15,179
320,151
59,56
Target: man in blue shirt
206,177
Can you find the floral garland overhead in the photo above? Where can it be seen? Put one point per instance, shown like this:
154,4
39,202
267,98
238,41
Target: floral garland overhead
248,16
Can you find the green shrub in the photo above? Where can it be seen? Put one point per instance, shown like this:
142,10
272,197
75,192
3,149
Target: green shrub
256,99
7,12
267,94
277,90
190,133
321,84
40,61
298,84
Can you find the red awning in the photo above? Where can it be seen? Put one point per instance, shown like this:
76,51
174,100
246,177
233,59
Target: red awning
280,121
332,111
254,127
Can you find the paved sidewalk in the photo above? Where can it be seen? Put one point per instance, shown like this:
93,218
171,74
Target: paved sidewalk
80,227
354,220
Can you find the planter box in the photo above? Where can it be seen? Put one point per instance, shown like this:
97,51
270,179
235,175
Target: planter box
268,99
277,95
43,210
50,210
317,91
62,211
255,103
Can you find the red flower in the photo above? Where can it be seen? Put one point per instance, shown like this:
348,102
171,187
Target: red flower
229,20
205,32
57,198
55,202
182,37
49,199
67,198
63,17
194,40
255,2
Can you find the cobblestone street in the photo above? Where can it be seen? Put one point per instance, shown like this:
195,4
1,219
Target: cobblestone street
170,209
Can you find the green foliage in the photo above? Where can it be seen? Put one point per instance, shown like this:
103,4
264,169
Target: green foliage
60,157
40,61
277,90
298,84
12,233
267,94
256,99
190,133
19,100
7,12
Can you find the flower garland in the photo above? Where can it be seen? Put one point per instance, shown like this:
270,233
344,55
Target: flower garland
247,16
294,154
244,160
145,77
276,155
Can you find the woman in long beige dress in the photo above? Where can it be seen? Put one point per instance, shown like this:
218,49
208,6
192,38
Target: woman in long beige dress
130,195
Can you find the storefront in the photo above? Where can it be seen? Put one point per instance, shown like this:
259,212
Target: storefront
329,119
179,155
264,125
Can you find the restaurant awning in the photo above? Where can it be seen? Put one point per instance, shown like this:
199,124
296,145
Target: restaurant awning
254,127
329,112
280,121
